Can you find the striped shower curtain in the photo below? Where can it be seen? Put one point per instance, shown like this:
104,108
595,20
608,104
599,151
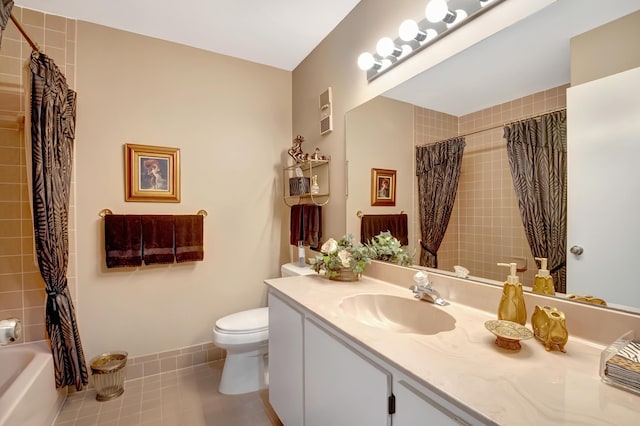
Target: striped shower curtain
438,170
5,14
537,150
53,109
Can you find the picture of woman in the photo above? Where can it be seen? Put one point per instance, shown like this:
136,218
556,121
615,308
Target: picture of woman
383,188
153,173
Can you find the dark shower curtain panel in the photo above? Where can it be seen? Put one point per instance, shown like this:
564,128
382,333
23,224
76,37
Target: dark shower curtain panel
438,170
53,109
537,150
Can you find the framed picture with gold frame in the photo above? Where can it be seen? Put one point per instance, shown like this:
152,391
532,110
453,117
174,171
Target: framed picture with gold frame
152,173
383,187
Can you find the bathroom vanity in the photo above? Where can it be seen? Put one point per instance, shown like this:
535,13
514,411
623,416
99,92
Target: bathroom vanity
368,353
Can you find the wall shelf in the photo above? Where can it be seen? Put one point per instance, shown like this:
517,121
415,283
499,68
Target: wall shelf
309,168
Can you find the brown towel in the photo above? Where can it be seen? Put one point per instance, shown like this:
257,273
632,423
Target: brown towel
373,224
157,239
122,240
312,225
306,225
189,238
295,225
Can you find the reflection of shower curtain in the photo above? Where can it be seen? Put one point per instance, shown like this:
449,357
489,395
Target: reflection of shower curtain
5,13
537,150
52,131
438,171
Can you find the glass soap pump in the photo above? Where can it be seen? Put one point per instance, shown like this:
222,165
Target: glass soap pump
315,188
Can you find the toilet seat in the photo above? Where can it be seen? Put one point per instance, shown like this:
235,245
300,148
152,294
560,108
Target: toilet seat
242,328
245,322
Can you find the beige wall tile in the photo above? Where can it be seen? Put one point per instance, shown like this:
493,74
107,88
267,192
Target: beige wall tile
10,265
33,298
10,246
54,22
10,282
11,300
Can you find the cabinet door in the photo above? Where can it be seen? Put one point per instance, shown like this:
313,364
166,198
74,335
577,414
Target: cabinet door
285,361
342,388
414,407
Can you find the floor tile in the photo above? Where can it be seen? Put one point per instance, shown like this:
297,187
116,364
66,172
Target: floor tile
184,397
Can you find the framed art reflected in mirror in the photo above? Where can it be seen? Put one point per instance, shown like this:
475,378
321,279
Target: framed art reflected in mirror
152,173
383,187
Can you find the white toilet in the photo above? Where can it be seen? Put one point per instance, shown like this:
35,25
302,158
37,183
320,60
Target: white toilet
245,336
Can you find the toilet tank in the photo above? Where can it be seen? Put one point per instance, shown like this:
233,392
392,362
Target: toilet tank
293,269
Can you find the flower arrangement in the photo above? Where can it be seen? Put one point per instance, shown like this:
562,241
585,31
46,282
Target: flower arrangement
344,254
340,255
386,247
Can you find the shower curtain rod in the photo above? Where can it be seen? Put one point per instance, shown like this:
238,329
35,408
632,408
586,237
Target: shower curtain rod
497,126
32,43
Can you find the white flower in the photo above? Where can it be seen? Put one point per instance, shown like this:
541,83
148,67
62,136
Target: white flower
329,246
344,256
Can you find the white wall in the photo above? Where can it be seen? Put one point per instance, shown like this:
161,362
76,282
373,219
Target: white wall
231,120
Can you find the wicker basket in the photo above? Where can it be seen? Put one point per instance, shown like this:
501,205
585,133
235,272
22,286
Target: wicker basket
345,274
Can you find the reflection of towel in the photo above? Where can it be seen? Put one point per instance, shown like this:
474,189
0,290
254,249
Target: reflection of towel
189,238
122,240
373,224
312,225
306,225
157,239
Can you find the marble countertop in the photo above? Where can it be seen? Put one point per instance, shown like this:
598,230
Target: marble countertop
530,386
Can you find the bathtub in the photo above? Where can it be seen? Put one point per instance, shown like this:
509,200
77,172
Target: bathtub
28,394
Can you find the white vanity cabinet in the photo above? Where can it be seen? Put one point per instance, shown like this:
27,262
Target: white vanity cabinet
341,387
285,361
320,377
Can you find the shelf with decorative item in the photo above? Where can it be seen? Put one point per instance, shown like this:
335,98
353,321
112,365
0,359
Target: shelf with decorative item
306,182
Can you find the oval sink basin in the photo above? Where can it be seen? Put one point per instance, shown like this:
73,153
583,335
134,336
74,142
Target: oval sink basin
398,314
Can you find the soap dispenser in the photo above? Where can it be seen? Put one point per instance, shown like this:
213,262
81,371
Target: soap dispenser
543,282
511,306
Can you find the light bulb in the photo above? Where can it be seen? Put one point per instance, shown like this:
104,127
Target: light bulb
408,30
461,15
366,61
385,47
436,10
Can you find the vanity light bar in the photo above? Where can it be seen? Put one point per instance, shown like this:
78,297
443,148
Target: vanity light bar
441,18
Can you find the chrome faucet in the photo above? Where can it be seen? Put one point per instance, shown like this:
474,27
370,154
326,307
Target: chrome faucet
423,290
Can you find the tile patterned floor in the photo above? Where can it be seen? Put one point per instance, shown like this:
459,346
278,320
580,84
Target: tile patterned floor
187,397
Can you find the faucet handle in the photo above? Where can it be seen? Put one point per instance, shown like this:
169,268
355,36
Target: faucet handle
422,278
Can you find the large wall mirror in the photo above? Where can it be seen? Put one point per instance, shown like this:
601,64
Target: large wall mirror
520,72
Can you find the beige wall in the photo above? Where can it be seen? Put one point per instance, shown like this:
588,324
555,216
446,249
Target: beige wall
606,50
231,120
370,141
21,286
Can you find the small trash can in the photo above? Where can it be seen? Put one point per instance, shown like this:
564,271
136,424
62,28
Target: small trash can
108,375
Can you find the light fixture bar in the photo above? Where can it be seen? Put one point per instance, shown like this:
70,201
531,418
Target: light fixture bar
441,19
